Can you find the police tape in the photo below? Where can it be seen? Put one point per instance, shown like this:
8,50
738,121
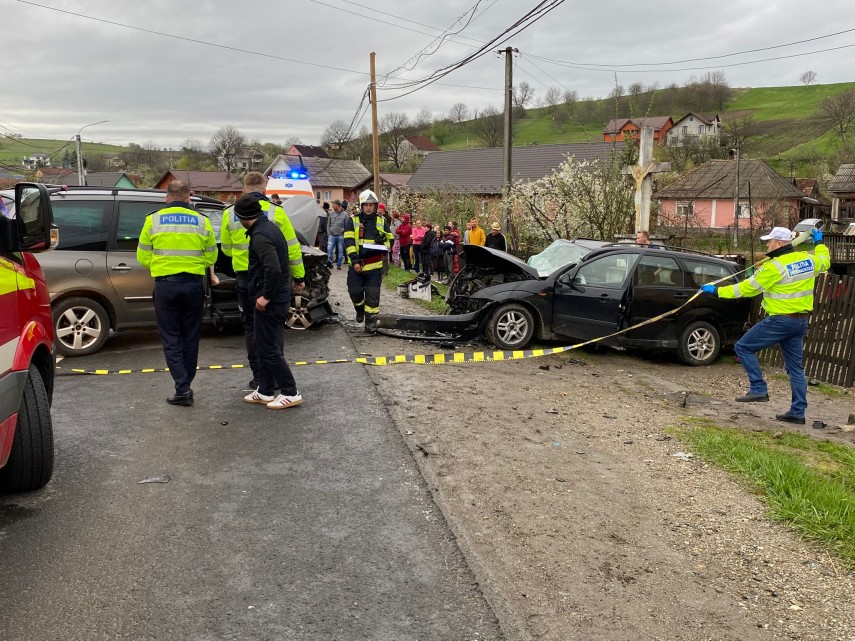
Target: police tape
483,356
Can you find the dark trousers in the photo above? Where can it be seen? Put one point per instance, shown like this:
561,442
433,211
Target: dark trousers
269,339
246,302
364,290
427,264
405,256
179,309
417,258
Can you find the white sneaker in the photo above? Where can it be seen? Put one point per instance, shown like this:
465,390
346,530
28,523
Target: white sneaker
283,402
255,397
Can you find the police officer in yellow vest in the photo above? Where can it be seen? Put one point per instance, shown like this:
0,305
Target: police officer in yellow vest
366,240
178,245
786,281
235,243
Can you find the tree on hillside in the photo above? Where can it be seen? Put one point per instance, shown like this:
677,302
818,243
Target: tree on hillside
522,94
839,112
193,154
570,97
551,98
719,88
561,115
423,119
225,145
336,136
394,127
636,89
737,128
440,131
489,127
808,78
458,112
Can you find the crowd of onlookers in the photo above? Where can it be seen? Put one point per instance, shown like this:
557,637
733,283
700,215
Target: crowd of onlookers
420,246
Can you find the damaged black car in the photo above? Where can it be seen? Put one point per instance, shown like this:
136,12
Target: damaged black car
582,289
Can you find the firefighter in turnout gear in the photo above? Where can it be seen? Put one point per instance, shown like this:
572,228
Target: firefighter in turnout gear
235,243
178,245
786,281
366,240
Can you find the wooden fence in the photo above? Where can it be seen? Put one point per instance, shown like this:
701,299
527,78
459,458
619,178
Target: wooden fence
830,341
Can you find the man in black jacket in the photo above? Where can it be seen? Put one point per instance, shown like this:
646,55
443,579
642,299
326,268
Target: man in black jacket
270,284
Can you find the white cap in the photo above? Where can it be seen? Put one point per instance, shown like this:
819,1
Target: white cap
778,233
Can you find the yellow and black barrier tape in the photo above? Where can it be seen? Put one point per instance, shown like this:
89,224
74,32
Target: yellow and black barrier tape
484,356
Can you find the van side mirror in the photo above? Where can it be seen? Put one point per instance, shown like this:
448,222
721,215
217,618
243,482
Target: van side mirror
33,222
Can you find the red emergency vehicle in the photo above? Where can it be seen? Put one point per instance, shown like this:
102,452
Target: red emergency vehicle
26,342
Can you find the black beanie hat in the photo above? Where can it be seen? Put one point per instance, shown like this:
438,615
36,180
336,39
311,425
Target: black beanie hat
247,207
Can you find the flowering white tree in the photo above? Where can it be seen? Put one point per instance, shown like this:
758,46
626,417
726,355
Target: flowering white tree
578,199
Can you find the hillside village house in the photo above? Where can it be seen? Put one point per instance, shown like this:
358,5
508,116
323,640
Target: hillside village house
36,160
53,175
842,190
216,184
814,205
704,197
111,179
245,160
479,171
331,178
416,146
390,187
620,129
309,151
694,129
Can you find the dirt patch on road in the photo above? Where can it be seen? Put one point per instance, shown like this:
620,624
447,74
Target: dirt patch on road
561,482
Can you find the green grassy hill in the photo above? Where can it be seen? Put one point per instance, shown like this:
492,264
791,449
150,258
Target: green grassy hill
789,135
14,150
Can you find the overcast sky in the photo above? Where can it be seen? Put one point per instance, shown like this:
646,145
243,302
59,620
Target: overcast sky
62,72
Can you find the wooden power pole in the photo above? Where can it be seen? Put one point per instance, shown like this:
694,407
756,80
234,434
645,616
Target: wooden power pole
375,135
509,136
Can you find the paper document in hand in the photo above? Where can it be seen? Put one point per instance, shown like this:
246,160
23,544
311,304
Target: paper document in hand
379,248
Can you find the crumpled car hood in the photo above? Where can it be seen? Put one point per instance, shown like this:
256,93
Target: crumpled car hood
483,257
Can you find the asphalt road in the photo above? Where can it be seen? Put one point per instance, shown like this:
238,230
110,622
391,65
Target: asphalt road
311,523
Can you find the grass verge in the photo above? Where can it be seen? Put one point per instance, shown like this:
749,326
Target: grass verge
397,276
825,389
806,483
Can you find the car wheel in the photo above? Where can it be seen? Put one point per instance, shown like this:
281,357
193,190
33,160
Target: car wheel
699,344
81,326
298,314
30,463
511,327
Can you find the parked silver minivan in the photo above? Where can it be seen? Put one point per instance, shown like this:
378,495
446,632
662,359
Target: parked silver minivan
96,283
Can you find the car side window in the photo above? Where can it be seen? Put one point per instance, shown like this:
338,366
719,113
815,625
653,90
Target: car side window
609,271
132,217
215,215
658,271
701,272
83,224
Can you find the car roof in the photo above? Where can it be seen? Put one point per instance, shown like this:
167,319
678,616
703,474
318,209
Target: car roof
659,250
142,194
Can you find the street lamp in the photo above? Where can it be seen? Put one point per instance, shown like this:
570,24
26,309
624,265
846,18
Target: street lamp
81,179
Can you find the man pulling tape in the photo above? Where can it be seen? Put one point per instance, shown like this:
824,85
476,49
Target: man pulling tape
786,281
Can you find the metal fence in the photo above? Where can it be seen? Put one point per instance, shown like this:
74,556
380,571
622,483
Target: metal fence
830,341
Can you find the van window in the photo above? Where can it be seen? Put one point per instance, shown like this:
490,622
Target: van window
83,224
132,217
659,271
703,272
609,272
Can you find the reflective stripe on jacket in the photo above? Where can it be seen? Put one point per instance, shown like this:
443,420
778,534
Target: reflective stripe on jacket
353,244
235,243
785,280
177,240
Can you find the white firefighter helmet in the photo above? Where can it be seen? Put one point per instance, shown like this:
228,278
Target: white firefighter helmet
367,196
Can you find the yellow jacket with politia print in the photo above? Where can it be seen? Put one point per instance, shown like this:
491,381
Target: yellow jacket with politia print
786,280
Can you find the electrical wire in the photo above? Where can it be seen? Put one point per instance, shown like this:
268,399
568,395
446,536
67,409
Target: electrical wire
718,57
532,16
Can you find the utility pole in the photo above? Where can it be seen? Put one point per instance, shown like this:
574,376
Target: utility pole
81,179
507,165
736,211
375,135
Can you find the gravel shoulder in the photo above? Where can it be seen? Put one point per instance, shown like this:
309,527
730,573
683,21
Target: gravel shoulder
558,478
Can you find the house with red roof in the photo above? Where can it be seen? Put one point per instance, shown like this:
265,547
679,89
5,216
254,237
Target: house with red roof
620,129
216,184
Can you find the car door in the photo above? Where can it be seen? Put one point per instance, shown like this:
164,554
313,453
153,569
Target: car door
132,281
658,287
589,301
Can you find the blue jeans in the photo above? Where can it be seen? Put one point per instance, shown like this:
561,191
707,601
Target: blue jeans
789,333
333,243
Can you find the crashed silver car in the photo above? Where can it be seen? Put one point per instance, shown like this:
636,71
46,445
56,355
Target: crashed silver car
579,290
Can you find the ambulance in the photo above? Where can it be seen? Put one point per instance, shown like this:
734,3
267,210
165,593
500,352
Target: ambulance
26,341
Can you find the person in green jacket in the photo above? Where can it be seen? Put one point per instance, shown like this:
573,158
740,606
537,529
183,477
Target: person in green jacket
786,282
178,246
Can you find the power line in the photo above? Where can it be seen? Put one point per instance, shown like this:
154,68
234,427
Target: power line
718,57
532,16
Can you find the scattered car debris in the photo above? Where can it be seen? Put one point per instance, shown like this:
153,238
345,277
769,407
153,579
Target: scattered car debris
156,479
683,456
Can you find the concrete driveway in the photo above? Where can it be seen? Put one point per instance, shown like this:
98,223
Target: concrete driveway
310,523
